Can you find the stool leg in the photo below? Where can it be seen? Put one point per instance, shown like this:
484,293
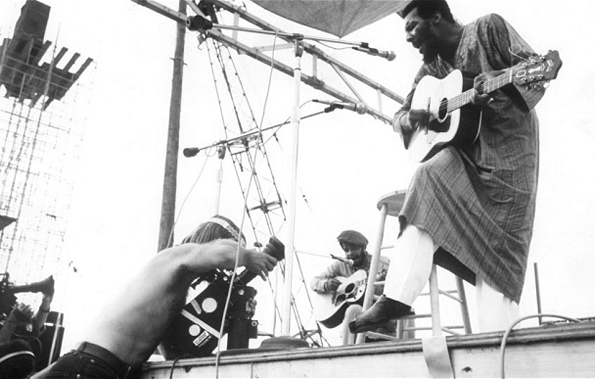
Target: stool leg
350,314
369,295
400,329
435,303
464,307
409,323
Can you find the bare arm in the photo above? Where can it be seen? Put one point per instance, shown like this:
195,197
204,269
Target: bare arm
133,323
41,315
407,120
222,254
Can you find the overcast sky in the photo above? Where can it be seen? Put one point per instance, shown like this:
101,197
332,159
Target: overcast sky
347,161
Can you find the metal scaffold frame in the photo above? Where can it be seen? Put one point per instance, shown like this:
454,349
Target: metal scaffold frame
43,107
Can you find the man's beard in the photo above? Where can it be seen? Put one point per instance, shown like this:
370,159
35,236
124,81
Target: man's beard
359,260
429,53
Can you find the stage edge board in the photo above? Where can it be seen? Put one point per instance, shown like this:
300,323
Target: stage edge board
551,350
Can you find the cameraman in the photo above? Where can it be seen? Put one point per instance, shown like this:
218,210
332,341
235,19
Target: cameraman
22,320
130,328
19,335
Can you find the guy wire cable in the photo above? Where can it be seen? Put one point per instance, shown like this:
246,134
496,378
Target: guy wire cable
509,330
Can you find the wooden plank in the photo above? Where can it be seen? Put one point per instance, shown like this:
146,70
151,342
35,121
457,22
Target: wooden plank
566,350
569,359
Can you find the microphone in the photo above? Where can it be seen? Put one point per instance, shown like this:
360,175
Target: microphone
359,108
190,151
389,55
348,261
197,22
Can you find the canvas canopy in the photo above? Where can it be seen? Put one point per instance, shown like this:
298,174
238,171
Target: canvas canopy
337,17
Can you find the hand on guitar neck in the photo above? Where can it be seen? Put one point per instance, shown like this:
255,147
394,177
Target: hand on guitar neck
479,97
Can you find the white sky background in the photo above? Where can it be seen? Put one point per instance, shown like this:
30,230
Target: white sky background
347,161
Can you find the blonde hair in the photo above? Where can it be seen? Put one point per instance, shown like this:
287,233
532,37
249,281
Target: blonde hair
218,227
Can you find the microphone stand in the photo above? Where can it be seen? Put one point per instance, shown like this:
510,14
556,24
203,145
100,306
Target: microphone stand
192,151
201,23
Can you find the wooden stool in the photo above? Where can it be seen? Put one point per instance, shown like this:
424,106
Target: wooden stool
390,205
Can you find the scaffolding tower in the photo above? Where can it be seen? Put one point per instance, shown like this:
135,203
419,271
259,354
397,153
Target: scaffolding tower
43,104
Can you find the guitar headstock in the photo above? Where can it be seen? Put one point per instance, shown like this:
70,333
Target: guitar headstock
537,71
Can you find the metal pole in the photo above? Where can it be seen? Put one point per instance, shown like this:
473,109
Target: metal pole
168,202
538,295
295,132
369,295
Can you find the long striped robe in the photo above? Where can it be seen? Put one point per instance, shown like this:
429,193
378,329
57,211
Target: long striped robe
478,202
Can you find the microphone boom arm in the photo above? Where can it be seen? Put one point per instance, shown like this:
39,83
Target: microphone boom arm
192,151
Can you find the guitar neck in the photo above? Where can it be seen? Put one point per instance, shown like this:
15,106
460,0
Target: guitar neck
489,86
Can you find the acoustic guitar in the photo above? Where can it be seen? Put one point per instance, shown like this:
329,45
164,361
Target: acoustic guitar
329,308
448,105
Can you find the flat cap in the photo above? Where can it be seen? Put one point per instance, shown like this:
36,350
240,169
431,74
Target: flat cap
353,237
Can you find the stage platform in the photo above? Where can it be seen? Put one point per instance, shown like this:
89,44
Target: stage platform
550,350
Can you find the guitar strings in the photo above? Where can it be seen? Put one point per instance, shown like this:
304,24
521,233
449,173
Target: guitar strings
488,86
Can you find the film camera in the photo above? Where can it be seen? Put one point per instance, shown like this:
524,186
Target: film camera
196,331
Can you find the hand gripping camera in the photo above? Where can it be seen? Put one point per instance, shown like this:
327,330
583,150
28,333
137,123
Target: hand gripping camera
196,331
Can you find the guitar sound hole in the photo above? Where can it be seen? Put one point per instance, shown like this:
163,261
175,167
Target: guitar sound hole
349,288
443,110
442,123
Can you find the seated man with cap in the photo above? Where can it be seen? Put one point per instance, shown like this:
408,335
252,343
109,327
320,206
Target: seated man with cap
357,258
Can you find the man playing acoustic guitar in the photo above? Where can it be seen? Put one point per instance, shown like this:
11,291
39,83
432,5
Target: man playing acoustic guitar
354,244
469,208
343,283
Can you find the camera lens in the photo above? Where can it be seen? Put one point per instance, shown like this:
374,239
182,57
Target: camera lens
275,248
